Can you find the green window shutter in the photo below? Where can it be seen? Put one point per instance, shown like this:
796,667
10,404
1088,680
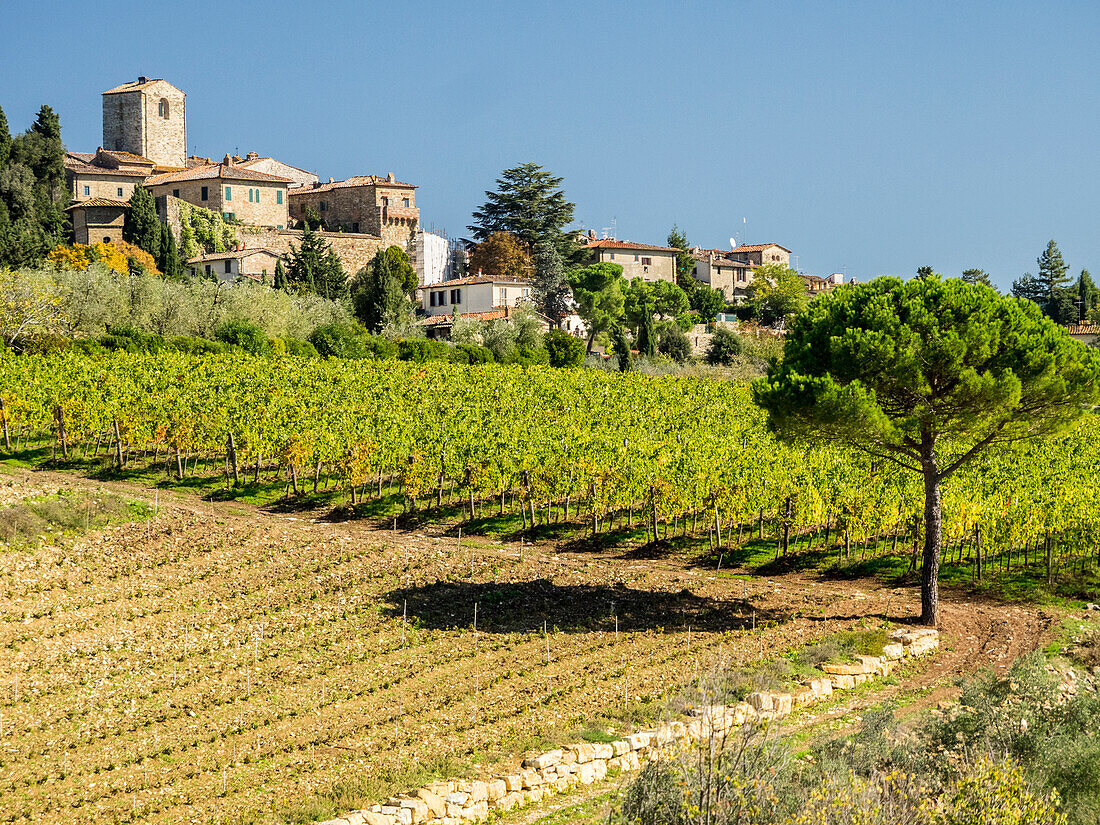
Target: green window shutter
229,193
279,197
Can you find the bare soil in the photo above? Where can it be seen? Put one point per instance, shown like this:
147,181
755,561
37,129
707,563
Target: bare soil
222,660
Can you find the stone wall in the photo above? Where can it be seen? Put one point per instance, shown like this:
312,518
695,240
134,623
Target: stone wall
355,250
102,185
263,209
455,801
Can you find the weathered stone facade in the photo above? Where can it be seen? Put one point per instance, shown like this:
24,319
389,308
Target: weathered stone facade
719,270
148,118
251,197
367,204
638,260
762,253
98,219
354,250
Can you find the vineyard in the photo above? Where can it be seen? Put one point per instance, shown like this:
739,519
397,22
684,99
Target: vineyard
612,452
215,662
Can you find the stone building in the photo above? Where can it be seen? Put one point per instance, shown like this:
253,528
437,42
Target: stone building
254,264
147,118
762,253
248,196
474,295
720,270
366,204
98,219
638,260
105,174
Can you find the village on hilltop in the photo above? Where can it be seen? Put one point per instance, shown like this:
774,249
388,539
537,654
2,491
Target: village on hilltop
145,144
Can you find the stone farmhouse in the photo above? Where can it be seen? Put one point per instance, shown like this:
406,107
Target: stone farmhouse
145,144
638,260
719,269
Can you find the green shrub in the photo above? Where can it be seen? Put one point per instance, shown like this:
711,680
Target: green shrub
529,356
672,342
245,335
563,349
422,349
130,339
725,346
471,354
299,349
197,346
340,341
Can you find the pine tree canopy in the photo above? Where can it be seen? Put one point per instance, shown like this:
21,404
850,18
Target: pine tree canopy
1052,270
530,204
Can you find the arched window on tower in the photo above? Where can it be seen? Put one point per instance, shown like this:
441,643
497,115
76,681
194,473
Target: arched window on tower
162,108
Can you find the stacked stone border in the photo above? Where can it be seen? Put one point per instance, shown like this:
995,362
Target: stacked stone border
460,801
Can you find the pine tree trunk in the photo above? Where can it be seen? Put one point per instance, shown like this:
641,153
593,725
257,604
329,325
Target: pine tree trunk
933,536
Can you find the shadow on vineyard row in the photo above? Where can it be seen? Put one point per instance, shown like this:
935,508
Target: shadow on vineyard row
1046,568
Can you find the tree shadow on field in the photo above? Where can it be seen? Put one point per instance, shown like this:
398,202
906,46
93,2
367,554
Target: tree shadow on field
519,607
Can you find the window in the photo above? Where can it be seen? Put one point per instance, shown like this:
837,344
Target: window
176,193
204,194
405,202
229,193
87,190
456,296
162,108
385,201
635,259
120,191
323,206
229,215
250,196
645,261
612,256
280,226
106,239
207,269
431,300
355,227
228,265
257,196
279,196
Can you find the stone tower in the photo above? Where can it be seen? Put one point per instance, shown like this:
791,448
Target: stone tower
148,118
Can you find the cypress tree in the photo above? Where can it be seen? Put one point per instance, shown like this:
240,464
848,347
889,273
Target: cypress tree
169,258
647,335
5,140
622,347
141,225
280,275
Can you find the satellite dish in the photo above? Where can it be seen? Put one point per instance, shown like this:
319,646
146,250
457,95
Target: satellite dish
733,243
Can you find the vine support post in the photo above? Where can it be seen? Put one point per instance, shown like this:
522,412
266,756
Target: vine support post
232,449
4,422
118,444
978,552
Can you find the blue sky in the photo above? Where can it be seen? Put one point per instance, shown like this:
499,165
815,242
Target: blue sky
867,137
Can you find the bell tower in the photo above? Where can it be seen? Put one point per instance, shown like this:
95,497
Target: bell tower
146,117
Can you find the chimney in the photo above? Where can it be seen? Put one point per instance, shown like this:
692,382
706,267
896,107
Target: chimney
228,161
331,180
591,234
390,178
251,156
142,79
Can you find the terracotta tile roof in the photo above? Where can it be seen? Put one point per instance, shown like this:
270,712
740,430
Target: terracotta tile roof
447,320
249,162
355,180
99,202
238,253
611,243
758,247
82,162
723,256
1083,329
479,279
129,157
212,172
135,85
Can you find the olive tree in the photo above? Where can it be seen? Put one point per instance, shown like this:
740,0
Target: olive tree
927,374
